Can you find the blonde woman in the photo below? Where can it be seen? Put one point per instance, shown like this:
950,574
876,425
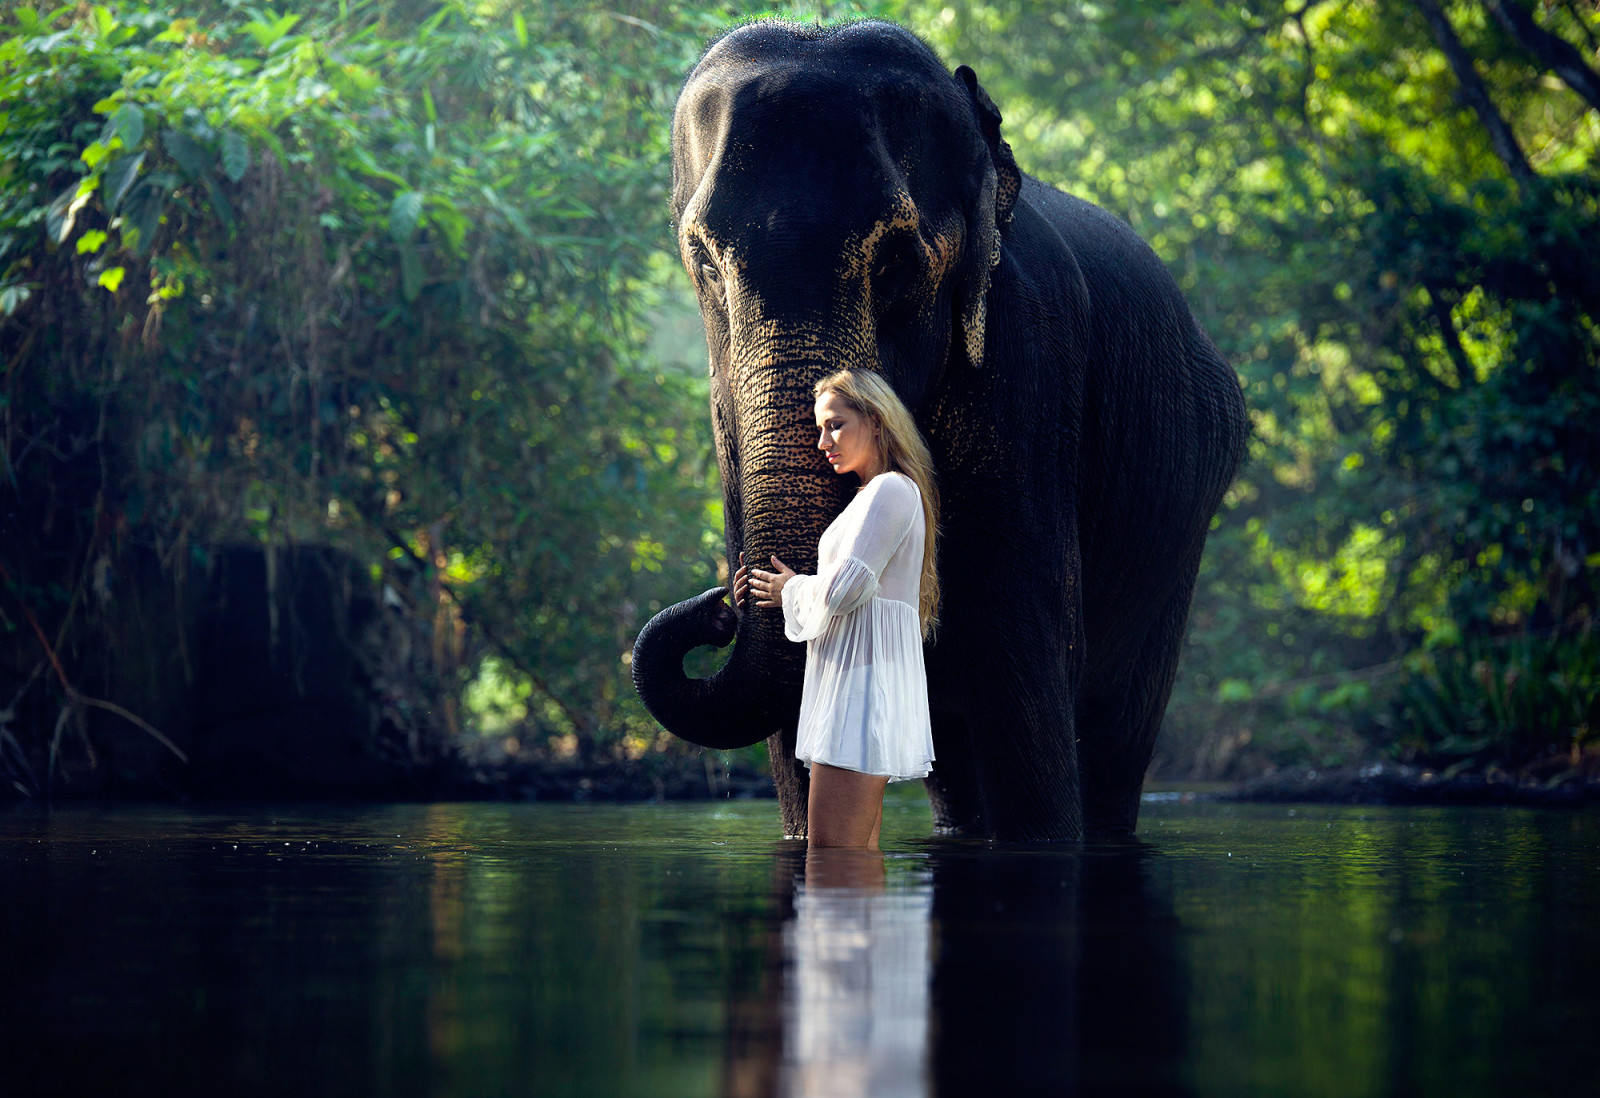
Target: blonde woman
863,616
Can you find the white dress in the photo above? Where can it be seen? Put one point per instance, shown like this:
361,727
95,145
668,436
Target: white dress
865,702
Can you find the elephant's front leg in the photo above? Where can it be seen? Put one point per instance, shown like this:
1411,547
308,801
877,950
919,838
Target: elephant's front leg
790,780
1024,746
1019,664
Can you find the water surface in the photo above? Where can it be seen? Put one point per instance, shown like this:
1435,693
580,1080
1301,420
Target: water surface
485,949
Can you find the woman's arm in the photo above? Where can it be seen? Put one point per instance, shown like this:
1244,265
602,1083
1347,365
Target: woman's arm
851,579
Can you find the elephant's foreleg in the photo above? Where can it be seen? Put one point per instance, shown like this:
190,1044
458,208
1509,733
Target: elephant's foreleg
1026,757
1118,725
791,781
953,791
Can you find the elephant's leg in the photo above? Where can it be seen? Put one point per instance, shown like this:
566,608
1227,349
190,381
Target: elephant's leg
790,780
1118,726
1025,748
953,791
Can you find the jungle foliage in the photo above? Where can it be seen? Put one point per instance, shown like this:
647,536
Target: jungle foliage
368,274
382,274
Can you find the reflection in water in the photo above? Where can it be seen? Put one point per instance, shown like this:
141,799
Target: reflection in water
1055,969
663,950
856,1004
987,970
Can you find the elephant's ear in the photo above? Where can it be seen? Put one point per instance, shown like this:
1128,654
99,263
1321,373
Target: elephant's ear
990,214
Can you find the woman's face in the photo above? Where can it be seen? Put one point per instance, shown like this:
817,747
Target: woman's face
848,438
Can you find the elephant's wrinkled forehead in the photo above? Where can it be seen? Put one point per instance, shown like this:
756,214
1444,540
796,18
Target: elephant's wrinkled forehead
819,119
788,153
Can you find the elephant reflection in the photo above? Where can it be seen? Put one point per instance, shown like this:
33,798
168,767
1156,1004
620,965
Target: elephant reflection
982,971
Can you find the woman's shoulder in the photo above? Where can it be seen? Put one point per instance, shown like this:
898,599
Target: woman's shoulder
893,483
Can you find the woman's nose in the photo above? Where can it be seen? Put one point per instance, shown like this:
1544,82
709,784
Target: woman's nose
822,440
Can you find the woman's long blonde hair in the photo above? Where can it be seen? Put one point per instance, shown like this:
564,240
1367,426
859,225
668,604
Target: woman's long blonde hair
905,452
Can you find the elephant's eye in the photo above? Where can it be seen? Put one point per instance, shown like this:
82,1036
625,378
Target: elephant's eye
896,268
707,272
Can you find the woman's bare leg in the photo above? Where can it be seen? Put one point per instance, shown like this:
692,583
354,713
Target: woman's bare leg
845,807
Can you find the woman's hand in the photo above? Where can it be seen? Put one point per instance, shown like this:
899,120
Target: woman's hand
767,587
741,583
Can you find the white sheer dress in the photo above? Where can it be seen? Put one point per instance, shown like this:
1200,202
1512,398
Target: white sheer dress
865,702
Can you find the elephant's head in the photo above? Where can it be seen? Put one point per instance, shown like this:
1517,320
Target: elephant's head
839,200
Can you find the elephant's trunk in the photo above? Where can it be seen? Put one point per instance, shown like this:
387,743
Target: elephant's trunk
780,496
737,706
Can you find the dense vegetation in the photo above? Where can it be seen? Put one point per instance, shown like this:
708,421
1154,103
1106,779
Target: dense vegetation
385,276
374,275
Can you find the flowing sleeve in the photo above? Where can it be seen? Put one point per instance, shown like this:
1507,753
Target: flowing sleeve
851,579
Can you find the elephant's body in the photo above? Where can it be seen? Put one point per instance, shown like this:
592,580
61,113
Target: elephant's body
1083,427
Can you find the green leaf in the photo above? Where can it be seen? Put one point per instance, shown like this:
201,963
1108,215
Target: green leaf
112,278
404,213
128,124
142,212
13,296
219,201
118,177
94,153
187,153
366,163
519,27
450,221
91,241
266,34
235,155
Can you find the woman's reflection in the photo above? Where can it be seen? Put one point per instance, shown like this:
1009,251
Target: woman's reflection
856,1001
992,971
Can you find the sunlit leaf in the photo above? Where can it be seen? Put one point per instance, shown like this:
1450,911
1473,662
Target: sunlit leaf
62,213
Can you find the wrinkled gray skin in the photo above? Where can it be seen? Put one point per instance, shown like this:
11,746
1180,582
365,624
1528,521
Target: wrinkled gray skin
843,200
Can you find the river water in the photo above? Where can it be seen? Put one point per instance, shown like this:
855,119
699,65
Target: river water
489,949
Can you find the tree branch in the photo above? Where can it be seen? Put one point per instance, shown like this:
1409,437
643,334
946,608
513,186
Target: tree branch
76,696
1555,53
1476,95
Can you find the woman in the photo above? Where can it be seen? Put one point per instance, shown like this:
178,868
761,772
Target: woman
863,616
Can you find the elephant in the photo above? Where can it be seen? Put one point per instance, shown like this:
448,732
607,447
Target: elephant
842,199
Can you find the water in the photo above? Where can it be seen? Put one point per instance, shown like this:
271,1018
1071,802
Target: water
487,949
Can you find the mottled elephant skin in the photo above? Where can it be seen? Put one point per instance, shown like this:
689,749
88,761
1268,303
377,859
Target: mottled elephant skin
843,200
